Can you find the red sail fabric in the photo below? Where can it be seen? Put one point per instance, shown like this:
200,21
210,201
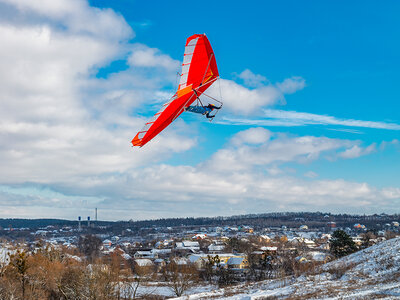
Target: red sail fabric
199,71
199,65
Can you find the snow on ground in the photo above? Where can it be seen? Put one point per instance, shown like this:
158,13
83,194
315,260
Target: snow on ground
368,274
318,256
157,289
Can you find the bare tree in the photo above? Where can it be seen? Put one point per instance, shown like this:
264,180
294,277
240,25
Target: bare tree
180,277
140,276
8,289
390,235
367,239
71,284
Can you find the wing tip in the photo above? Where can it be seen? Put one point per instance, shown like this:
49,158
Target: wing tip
136,141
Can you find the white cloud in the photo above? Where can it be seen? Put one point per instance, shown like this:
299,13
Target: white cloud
357,151
168,191
57,122
275,117
257,135
76,15
244,101
291,85
355,131
274,170
385,144
311,174
143,56
252,80
259,147
244,177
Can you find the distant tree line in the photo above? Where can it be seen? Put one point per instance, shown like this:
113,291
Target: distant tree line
290,219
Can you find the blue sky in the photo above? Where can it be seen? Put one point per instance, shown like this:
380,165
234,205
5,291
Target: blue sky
310,119
346,52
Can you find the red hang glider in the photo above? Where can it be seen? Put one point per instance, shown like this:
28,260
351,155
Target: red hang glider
199,72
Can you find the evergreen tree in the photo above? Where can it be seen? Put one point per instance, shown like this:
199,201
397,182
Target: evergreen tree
341,244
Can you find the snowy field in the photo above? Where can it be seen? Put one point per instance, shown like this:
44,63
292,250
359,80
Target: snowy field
373,273
167,292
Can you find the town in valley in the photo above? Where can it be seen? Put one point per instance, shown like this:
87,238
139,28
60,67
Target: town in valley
158,259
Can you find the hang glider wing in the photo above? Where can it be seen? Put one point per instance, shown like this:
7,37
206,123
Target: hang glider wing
199,71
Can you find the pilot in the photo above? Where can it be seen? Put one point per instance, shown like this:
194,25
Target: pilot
204,110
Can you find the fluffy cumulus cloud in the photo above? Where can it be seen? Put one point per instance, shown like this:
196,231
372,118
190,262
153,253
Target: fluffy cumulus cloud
250,100
65,132
243,192
357,151
77,16
247,175
143,56
57,121
259,147
252,80
256,135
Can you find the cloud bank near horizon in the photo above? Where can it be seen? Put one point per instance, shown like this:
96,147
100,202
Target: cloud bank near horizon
247,175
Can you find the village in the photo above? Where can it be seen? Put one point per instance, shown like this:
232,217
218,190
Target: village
202,255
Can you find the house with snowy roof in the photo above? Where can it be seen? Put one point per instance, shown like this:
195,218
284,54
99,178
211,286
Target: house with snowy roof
265,237
145,254
193,246
199,260
107,244
303,227
213,248
269,248
161,252
181,261
307,242
237,263
199,236
143,263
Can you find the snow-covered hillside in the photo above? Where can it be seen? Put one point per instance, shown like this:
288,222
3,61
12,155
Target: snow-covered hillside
373,273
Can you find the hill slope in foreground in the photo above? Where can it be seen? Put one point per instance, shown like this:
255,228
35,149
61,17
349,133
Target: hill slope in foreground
373,273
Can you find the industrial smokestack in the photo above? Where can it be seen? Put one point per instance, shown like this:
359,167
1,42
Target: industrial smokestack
79,223
95,215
